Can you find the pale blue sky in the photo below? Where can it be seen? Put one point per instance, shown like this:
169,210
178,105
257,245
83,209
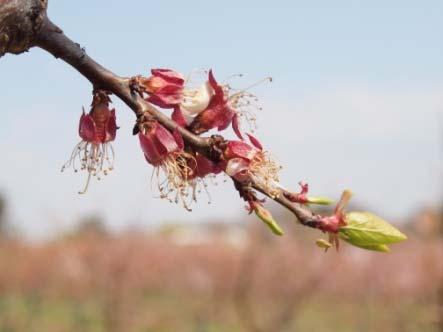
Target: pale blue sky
358,84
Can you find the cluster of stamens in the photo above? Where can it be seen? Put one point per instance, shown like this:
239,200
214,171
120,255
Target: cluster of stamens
95,158
265,171
244,103
175,183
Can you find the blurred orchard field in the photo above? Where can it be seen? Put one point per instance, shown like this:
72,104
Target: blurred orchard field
219,277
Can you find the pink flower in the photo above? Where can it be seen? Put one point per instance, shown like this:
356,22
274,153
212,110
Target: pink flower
219,113
158,143
240,149
250,163
240,156
164,87
168,89
202,108
226,109
99,126
97,130
202,167
177,173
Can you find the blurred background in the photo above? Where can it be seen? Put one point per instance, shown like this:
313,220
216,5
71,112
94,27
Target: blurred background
356,102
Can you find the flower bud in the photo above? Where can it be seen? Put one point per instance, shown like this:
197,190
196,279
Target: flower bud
319,200
324,244
267,218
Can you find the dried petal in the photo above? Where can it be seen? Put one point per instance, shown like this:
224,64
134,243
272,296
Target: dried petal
87,128
218,114
238,168
236,126
205,166
178,117
166,99
165,88
219,95
239,149
168,75
166,139
254,141
111,127
154,154
178,139
158,143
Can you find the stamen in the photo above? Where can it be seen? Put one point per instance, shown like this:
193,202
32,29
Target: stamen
173,182
197,71
245,103
86,185
265,171
266,79
231,77
93,158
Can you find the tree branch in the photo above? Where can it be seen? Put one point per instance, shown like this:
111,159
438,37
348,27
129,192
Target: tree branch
20,20
46,35
52,39
304,215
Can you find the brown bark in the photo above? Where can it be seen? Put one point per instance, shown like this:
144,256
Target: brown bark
20,21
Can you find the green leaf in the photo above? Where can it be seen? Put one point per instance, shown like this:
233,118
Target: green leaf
376,247
373,247
365,229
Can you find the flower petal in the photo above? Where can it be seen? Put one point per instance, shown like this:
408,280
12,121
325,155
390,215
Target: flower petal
254,141
178,139
218,90
165,138
111,127
196,101
165,88
237,168
224,118
239,149
178,117
87,129
236,127
165,100
168,75
151,151
206,166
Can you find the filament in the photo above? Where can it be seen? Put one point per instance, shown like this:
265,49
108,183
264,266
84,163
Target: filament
96,159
